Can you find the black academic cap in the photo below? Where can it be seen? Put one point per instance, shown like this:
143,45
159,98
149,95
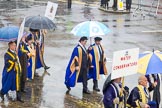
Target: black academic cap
83,38
15,41
97,38
29,37
11,42
33,30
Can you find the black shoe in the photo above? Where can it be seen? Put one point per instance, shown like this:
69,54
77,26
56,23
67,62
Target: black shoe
18,99
36,75
86,92
96,89
46,67
23,91
2,95
68,88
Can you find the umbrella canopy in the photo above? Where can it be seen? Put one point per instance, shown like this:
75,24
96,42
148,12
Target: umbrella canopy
150,63
106,83
9,33
90,29
39,22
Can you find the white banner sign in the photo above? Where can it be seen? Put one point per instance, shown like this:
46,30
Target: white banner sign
51,10
125,63
21,32
120,5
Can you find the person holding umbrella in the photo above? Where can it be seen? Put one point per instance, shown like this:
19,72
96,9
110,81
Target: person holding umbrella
114,93
11,72
36,24
139,96
39,43
38,40
76,70
96,54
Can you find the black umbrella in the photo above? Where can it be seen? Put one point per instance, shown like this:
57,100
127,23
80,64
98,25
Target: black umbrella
106,83
39,22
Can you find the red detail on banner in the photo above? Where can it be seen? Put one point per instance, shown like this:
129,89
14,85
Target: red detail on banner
125,58
125,66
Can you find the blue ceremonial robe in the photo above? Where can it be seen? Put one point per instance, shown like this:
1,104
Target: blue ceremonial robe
98,68
137,95
39,50
109,95
31,67
11,73
39,58
72,76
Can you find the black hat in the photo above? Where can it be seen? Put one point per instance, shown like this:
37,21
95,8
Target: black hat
11,42
33,30
83,38
97,38
29,37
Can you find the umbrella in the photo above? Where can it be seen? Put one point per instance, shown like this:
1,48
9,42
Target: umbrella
106,83
9,33
39,22
90,29
150,62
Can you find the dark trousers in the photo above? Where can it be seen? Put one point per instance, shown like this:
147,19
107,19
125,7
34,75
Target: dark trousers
18,95
24,63
69,4
95,84
115,4
156,93
22,84
128,4
85,83
83,76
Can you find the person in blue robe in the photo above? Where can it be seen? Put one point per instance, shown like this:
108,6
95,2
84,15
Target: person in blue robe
38,39
77,68
140,95
98,60
11,72
113,96
31,50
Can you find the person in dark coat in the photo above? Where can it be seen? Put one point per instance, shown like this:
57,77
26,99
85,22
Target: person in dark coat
156,92
98,60
23,56
105,4
128,4
113,94
115,5
77,68
139,96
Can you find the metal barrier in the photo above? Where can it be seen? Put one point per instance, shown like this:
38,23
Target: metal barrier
139,9
156,4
